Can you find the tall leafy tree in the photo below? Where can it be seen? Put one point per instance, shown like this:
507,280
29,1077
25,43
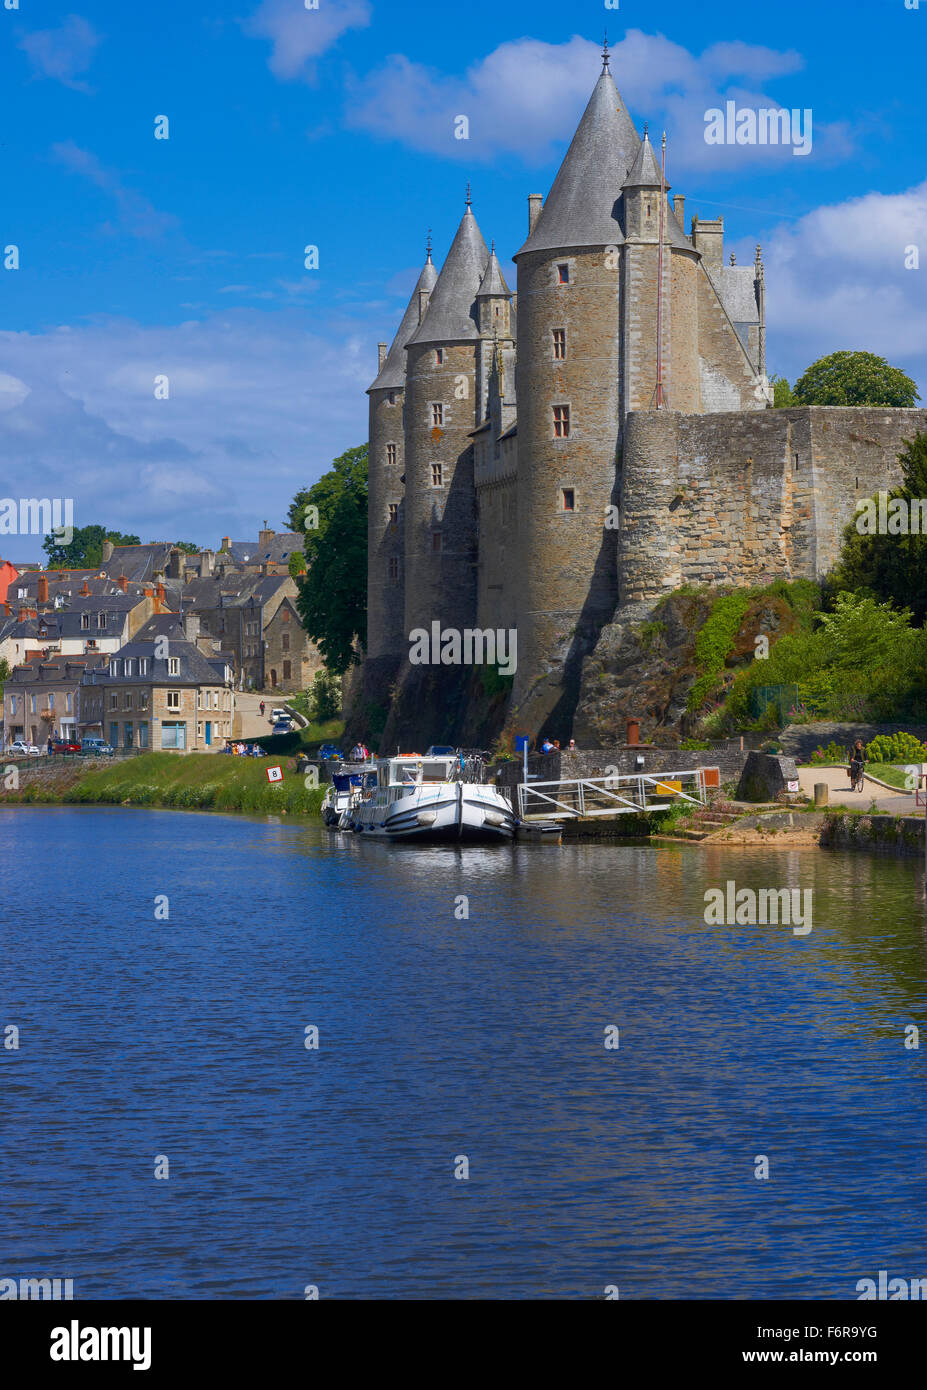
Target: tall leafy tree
892,567
854,378
332,598
85,551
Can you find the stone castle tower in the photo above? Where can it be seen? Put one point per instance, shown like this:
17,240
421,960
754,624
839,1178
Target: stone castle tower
639,439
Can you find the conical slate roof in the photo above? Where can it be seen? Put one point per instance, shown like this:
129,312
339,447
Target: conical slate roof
645,171
451,315
493,282
392,374
581,207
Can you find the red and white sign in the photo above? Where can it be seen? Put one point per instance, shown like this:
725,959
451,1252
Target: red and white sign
274,774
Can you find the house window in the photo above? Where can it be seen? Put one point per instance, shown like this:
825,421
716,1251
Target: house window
51,699
439,357
128,733
173,699
173,665
393,513
173,735
32,704
286,671
394,569
285,616
84,621
143,699
115,667
12,704
567,499
436,474
391,453
143,666
114,735
143,733
101,620
559,336
285,642
113,699
436,542
563,274
127,702
561,421
130,664
67,703
437,414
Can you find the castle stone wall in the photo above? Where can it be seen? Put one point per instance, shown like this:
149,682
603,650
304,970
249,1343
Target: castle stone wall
385,601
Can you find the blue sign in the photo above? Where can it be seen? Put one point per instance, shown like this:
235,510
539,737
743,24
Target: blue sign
522,741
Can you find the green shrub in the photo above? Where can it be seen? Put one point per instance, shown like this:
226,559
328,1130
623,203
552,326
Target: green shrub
833,753
715,640
896,748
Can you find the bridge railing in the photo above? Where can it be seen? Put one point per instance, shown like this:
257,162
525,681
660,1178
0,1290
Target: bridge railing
617,795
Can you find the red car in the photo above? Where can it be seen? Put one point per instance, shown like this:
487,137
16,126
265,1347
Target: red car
64,745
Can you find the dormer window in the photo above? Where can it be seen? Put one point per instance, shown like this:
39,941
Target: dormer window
101,620
173,665
84,621
116,668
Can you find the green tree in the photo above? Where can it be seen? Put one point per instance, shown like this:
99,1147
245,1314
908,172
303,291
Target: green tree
324,697
855,378
187,547
782,392
5,673
892,567
332,598
85,551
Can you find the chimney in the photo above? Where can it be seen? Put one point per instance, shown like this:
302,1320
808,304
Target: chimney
708,238
42,596
9,608
123,583
159,593
148,591
264,537
381,354
85,589
679,208
191,627
173,564
634,732
535,207
107,551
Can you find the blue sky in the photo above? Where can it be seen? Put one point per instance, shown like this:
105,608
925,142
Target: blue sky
335,127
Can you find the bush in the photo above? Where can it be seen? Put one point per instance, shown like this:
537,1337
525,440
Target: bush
714,642
896,748
324,697
833,753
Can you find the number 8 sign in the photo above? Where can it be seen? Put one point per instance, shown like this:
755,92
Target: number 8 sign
274,774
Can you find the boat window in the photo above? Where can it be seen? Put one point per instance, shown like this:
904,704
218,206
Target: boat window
434,772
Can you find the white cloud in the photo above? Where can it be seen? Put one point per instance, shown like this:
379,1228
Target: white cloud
258,407
836,279
526,98
135,214
64,52
299,36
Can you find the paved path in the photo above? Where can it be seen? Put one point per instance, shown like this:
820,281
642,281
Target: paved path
889,801
249,722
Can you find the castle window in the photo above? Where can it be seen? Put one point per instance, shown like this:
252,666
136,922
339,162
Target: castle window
393,513
563,274
559,337
561,421
436,542
391,398
437,414
393,569
567,499
436,474
439,357
391,453
795,456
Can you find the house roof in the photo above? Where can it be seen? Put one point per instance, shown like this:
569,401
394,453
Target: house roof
451,315
195,668
582,206
392,374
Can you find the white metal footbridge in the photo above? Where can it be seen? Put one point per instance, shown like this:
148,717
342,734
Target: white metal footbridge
581,798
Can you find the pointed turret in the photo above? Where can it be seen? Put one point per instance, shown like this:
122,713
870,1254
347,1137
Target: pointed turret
493,281
645,171
494,299
452,311
391,375
581,207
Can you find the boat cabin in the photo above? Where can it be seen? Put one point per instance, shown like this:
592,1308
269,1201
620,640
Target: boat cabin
411,770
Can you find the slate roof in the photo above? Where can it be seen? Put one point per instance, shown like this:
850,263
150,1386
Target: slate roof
231,591
493,281
392,374
645,171
582,206
451,315
195,668
138,562
738,293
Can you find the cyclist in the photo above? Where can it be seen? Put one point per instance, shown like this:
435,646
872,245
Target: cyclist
857,766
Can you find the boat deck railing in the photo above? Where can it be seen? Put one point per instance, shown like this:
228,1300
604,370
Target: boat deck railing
581,798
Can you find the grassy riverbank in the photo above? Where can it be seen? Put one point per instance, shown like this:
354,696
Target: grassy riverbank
195,781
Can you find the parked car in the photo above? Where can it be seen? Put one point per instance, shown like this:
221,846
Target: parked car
283,726
96,748
65,745
19,748
276,714
328,750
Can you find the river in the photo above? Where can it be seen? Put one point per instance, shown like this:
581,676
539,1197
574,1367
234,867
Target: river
445,1042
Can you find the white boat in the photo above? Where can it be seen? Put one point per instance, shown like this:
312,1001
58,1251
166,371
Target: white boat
429,799
348,786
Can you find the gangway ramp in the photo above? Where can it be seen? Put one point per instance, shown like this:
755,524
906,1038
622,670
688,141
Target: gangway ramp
620,794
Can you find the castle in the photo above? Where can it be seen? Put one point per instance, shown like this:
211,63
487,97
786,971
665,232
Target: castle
553,461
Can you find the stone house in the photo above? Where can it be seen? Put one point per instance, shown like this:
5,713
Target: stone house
42,697
291,659
254,617
161,692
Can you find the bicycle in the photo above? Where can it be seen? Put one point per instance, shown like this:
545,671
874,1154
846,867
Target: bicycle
857,778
